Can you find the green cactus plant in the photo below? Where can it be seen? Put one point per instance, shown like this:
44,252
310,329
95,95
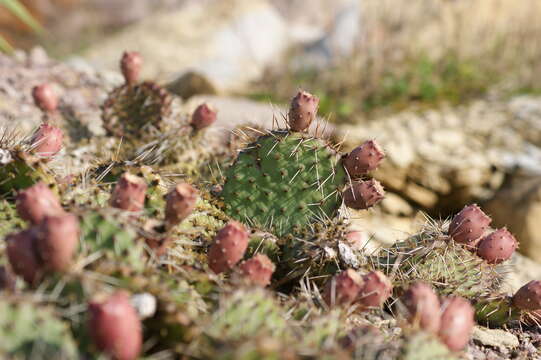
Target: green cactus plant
284,181
31,331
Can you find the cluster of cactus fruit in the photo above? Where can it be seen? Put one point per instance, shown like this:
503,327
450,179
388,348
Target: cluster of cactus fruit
194,270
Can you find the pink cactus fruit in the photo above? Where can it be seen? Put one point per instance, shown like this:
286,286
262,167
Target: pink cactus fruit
45,97
36,202
58,238
47,140
228,248
497,247
343,289
469,225
129,193
457,321
302,111
376,289
364,158
258,270
115,327
423,306
363,194
180,203
131,64
23,256
203,116
528,297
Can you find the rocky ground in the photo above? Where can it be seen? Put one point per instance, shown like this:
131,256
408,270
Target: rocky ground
438,160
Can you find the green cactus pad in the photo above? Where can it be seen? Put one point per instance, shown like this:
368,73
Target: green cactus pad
131,111
496,311
284,181
101,233
423,346
29,331
21,172
449,267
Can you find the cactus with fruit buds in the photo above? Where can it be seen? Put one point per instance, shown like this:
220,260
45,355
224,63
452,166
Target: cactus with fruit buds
286,179
29,330
228,248
135,109
433,257
115,327
37,202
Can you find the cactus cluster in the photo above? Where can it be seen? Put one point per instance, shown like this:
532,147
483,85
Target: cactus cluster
127,262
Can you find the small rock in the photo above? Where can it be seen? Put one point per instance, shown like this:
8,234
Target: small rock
496,338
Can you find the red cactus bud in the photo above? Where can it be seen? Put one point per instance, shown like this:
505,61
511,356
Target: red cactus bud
498,246
528,297
457,321
129,193
23,256
47,140
377,288
302,111
203,116
45,97
468,225
180,203
424,306
343,288
258,270
228,248
364,158
363,194
58,238
36,202
131,66
115,327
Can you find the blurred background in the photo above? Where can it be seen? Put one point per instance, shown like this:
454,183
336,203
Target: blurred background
449,87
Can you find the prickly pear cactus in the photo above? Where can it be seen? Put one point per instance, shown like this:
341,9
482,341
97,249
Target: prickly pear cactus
430,256
101,234
423,346
9,220
29,331
284,181
132,110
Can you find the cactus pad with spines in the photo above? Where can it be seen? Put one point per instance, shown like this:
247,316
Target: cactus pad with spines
29,331
102,233
284,181
449,267
20,171
132,110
